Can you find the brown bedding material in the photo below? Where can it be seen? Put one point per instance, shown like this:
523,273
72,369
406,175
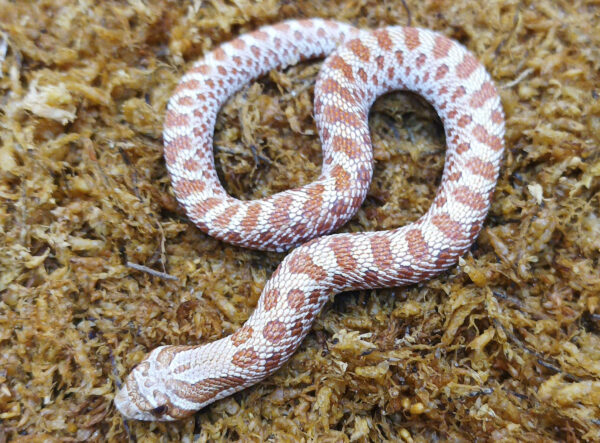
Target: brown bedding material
504,346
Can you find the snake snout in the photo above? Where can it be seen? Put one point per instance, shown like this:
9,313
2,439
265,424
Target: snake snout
126,404
137,397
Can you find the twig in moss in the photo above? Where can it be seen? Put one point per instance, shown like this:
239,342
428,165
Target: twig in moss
519,79
543,361
408,13
163,241
225,150
117,380
130,436
242,153
151,271
3,50
554,368
516,394
480,392
259,158
125,158
510,299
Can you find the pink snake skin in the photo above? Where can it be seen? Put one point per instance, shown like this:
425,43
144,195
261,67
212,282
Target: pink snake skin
173,382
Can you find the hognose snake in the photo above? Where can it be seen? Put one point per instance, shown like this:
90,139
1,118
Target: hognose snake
173,382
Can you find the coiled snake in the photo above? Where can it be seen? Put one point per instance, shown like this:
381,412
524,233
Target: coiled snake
173,382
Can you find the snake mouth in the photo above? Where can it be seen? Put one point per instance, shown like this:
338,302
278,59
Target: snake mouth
135,407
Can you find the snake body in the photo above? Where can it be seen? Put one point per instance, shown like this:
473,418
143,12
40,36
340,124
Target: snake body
173,382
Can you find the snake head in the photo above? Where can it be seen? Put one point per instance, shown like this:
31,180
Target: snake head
173,382
149,392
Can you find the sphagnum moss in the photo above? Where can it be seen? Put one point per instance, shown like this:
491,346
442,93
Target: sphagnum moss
504,346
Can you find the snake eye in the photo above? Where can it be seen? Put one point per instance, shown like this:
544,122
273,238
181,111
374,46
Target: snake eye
159,410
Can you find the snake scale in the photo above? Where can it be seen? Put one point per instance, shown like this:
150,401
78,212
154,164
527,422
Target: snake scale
173,382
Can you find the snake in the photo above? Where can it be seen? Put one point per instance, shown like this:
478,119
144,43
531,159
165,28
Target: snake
173,382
